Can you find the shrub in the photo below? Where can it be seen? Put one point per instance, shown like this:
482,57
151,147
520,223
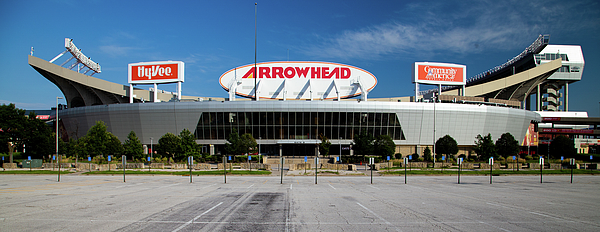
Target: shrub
398,156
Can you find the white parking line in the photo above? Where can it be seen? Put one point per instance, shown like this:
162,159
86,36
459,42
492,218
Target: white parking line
332,186
250,186
190,221
380,218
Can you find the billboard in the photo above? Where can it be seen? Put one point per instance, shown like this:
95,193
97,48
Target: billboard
439,73
301,80
76,52
156,72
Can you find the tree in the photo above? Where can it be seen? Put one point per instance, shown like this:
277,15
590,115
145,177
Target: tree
248,144
324,145
189,147
507,145
562,146
384,145
363,143
132,147
446,146
37,137
427,154
18,131
12,121
97,138
233,143
169,145
485,147
113,145
240,144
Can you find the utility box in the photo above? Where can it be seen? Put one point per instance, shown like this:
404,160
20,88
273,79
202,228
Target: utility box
33,163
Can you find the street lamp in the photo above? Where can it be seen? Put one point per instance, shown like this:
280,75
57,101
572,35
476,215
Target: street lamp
57,137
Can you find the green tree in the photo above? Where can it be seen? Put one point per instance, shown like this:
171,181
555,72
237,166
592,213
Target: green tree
427,154
248,144
485,147
384,145
18,131
362,143
169,145
446,146
73,148
189,147
12,129
562,146
324,145
133,148
507,145
232,146
96,139
113,145
38,137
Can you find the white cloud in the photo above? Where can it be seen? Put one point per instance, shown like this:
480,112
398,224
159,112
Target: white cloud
27,105
475,27
115,50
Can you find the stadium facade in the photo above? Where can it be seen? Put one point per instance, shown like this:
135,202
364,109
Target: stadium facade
294,126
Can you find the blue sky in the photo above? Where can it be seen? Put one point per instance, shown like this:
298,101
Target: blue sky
211,37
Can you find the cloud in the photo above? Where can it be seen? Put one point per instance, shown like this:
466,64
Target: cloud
27,105
473,27
115,50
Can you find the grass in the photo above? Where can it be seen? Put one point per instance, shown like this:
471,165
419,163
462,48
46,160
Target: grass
494,172
180,173
36,172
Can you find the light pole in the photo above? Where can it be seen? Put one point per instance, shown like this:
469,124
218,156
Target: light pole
151,151
340,150
57,137
255,70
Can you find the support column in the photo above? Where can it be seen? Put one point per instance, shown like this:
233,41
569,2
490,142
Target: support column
130,93
566,97
416,92
179,90
538,102
155,94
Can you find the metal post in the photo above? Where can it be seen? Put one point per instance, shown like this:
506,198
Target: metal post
371,166
491,162
541,169
225,168
316,170
190,163
57,135
124,161
459,167
572,164
59,168
281,181
405,164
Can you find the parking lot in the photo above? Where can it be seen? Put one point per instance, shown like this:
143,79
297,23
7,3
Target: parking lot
257,203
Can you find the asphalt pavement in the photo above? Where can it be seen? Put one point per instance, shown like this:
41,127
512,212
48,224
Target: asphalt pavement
262,203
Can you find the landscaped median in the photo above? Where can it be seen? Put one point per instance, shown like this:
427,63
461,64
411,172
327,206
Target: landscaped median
36,172
400,172
179,173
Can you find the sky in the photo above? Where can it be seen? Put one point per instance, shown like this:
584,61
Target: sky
212,37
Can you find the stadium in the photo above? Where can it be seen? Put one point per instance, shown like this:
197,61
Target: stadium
286,112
